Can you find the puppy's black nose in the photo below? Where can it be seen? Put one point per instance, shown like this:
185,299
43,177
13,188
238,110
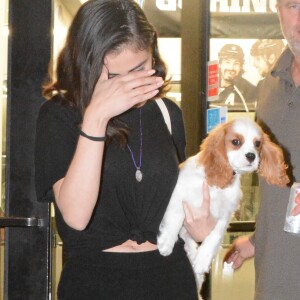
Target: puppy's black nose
250,156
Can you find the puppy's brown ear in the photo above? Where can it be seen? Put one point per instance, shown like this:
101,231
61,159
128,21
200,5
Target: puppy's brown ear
214,158
272,165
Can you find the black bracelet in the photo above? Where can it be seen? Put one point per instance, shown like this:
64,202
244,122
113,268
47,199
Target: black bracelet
92,138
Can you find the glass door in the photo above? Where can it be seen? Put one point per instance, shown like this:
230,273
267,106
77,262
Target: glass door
3,102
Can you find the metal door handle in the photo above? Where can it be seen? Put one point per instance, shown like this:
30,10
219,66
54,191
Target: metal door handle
241,226
21,222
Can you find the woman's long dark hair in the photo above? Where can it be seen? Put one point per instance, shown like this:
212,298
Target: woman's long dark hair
99,28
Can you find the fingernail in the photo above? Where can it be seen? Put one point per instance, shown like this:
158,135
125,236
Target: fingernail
151,72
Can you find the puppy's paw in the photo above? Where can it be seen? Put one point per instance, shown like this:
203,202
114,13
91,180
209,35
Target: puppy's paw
165,244
199,281
190,248
201,263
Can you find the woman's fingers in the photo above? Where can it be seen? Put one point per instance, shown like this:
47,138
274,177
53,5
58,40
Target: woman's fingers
206,197
104,73
139,82
129,86
112,97
140,87
199,221
204,210
145,89
188,212
136,75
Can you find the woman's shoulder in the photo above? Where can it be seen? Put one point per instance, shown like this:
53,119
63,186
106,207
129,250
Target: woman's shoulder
55,108
173,108
55,105
171,105
178,131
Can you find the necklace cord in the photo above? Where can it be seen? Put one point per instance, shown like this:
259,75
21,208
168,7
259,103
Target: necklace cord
141,146
138,173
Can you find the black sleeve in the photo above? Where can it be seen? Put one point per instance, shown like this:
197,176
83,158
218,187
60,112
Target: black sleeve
178,130
56,140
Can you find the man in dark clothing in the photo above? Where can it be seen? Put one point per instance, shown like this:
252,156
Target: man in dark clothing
276,252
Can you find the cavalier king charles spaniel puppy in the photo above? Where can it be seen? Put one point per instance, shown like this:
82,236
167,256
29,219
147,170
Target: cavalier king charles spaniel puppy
231,149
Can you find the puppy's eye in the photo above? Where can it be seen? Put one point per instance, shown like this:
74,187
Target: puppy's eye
257,144
235,142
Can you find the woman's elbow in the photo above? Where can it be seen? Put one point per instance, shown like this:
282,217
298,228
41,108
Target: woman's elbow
79,223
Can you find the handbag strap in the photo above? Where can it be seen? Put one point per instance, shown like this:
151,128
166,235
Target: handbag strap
161,104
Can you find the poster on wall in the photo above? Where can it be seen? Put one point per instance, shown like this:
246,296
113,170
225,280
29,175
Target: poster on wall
246,40
212,80
243,63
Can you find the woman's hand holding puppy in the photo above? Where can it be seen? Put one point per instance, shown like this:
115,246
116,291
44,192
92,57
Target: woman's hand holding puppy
199,222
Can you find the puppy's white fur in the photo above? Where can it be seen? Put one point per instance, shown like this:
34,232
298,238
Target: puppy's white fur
233,148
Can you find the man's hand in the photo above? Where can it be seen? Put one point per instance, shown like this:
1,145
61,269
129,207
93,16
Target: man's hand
241,250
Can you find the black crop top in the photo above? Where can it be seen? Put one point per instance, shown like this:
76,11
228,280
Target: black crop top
126,209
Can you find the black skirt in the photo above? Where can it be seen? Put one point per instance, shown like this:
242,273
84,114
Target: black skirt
128,276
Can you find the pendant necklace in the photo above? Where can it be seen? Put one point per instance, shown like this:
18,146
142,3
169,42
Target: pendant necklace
138,172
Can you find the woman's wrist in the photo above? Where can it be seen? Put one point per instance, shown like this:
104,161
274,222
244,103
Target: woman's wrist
92,138
92,125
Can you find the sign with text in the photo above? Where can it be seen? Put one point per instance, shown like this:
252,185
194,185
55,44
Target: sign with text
212,80
215,116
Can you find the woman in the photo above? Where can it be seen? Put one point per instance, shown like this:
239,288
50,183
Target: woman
104,154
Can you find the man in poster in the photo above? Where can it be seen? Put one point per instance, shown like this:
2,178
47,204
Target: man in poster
237,93
265,54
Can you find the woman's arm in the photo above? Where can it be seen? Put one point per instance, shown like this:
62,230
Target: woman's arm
76,194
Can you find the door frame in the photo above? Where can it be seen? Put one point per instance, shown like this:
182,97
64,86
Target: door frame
27,245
